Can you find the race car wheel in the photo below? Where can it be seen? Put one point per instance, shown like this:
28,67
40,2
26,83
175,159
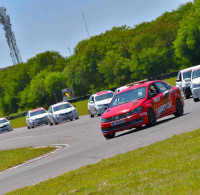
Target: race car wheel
110,136
179,108
50,123
28,127
151,117
55,121
77,118
91,115
196,99
187,96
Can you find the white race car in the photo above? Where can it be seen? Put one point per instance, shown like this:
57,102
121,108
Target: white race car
36,117
99,102
61,112
5,125
195,85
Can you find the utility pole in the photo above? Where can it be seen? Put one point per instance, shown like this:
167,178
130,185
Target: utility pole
10,36
87,31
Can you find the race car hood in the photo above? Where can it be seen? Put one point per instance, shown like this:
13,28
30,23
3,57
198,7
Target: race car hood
64,111
196,80
121,109
38,116
106,101
4,124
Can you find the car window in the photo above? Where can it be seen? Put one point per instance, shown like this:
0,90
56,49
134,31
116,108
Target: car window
34,113
161,86
196,73
187,74
128,96
61,107
103,96
3,121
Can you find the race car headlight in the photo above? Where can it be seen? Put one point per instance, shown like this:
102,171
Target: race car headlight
57,115
104,120
135,111
32,120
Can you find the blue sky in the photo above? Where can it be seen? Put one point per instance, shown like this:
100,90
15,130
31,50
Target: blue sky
41,25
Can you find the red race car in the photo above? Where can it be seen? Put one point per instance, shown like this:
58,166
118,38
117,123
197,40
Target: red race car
142,103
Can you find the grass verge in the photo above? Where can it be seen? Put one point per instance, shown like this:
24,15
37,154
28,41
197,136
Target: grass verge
18,122
167,167
171,81
11,158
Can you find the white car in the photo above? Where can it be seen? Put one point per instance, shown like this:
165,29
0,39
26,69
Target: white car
183,81
36,117
120,89
99,102
5,125
195,84
61,112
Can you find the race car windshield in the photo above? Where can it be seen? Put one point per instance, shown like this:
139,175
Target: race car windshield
196,74
61,107
103,96
128,96
3,121
187,74
37,112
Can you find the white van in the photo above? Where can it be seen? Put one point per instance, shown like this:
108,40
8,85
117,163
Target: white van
183,81
195,83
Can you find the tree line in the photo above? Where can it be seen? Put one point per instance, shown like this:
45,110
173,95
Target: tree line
114,58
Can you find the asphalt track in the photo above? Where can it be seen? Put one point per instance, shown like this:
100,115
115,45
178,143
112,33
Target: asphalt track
84,144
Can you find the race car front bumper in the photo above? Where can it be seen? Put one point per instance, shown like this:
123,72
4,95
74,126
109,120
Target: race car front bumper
196,92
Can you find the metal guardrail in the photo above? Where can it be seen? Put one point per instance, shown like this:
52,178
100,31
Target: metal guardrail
159,77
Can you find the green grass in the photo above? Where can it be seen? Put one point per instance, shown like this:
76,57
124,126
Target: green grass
18,122
81,106
10,158
171,81
167,167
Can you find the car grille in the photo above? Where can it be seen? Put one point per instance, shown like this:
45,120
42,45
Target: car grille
121,116
65,114
123,125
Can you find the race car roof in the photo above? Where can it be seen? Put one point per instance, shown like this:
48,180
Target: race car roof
3,119
36,109
103,92
60,103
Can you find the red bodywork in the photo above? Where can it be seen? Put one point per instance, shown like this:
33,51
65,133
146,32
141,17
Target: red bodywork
162,104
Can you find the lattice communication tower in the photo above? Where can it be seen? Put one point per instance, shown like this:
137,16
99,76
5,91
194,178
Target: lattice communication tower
10,36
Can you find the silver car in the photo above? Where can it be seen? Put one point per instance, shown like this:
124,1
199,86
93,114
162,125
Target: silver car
36,117
5,125
61,112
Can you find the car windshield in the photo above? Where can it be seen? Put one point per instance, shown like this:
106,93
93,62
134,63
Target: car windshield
128,96
34,113
61,107
103,96
196,73
187,74
3,121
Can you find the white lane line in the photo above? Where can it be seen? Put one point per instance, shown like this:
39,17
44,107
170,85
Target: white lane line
16,139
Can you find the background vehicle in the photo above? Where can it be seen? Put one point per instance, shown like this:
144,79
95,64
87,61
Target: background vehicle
5,125
120,89
195,83
99,102
36,117
141,104
61,112
183,81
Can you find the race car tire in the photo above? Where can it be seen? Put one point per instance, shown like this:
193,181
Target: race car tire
55,121
51,124
196,99
179,108
91,115
151,117
187,96
76,118
28,127
109,136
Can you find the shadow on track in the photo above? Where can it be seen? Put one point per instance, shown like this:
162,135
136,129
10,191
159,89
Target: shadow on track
133,130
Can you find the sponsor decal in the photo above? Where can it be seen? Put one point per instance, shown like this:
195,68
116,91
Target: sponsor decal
162,108
156,99
143,114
